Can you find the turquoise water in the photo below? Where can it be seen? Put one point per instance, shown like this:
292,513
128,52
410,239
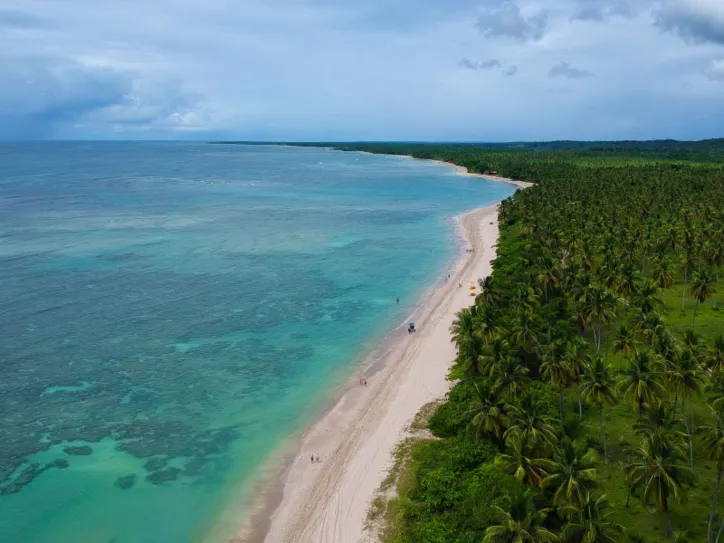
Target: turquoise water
171,311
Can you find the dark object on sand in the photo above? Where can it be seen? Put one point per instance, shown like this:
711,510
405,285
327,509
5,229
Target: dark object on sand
411,328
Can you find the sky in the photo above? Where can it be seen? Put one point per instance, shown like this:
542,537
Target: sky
340,70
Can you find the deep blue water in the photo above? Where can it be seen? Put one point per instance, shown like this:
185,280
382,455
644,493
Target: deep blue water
171,311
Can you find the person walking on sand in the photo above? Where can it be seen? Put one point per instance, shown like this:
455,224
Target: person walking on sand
318,460
311,457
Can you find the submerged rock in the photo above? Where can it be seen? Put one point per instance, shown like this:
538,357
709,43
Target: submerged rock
60,463
155,463
126,481
194,466
83,450
25,478
163,476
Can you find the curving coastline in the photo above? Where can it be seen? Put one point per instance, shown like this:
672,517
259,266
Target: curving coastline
328,502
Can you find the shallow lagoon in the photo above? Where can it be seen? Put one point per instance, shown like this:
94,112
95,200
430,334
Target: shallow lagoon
181,308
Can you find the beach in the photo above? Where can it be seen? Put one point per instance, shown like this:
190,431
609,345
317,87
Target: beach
327,502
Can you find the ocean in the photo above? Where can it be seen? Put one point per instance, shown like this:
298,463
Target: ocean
171,312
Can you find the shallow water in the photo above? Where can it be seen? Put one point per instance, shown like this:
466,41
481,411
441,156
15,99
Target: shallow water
171,311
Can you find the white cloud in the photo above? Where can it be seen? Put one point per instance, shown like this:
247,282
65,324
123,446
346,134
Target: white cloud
716,70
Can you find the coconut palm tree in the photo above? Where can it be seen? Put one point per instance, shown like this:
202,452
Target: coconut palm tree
520,460
598,386
715,356
702,288
661,273
712,442
685,379
590,522
641,382
494,352
647,295
463,327
489,292
660,418
528,421
578,361
555,368
488,412
624,339
601,309
520,522
688,263
659,468
511,378
571,472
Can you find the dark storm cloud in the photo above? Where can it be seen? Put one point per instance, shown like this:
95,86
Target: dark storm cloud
695,21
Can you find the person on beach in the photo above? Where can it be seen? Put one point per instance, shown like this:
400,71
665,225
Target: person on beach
318,460
311,457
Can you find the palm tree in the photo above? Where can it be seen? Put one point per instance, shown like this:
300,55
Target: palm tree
647,295
715,356
521,522
521,461
511,378
598,387
687,263
660,470
488,412
660,418
524,330
624,339
528,421
578,361
495,351
555,368
463,327
601,310
685,380
702,288
661,273
571,472
590,522
489,292
712,442
641,383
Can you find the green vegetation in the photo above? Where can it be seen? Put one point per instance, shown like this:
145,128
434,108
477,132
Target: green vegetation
589,395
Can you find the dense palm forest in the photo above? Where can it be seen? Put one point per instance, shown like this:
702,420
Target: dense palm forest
588,403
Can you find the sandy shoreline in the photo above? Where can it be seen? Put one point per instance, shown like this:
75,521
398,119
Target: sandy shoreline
328,502
464,171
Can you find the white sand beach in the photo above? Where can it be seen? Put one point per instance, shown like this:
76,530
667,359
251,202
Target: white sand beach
327,502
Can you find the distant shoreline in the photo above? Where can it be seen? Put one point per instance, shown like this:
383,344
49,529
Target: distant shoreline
461,170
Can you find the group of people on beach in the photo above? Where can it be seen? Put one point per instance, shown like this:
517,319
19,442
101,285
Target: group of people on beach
314,458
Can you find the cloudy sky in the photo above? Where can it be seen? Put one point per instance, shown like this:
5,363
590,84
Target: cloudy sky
475,70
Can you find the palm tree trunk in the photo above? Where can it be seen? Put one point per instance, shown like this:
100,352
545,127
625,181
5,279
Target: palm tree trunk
691,437
714,501
683,294
603,433
580,407
560,391
695,308
718,535
669,527
628,495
